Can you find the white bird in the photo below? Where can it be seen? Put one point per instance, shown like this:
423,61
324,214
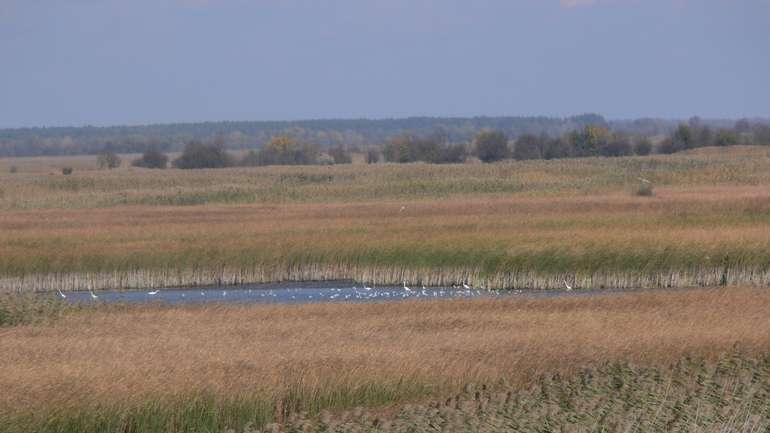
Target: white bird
466,285
407,288
567,285
154,292
367,288
63,296
93,295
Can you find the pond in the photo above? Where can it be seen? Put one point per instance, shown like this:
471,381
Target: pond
302,293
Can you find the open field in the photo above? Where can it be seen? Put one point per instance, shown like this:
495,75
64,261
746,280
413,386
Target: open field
522,225
159,369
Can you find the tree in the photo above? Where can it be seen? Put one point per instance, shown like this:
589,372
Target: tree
151,158
283,150
372,156
400,149
762,135
197,154
668,146
108,160
529,146
617,145
491,146
558,148
726,137
742,126
683,138
589,140
643,146
340,155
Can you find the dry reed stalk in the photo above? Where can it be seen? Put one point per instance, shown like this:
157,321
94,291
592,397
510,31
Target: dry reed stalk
129,355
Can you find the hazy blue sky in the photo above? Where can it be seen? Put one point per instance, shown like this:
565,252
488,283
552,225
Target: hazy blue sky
75,62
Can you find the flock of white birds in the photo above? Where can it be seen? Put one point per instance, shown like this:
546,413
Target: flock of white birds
296,295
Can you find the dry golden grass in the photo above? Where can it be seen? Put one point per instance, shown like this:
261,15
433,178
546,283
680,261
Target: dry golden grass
680,237
523,225
126,356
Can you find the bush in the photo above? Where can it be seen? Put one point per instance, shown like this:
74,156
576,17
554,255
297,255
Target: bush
668,146
13,169
372,156
340,155
407,148
196,154
643,147
491,146
590,140
152,158
726,137
451,154
645,189
529,146
557,148
66,171
618,145
108,160
283,150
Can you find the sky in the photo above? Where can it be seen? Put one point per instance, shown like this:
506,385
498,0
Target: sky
117,62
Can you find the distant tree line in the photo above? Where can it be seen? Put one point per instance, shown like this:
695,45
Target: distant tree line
488,145
253,135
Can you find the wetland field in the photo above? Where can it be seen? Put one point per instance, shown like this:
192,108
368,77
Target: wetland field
691,356
521,225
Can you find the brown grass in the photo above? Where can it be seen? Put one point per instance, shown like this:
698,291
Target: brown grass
125,356
681,237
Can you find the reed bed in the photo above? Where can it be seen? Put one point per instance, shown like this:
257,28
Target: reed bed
683,237
207,368
730,395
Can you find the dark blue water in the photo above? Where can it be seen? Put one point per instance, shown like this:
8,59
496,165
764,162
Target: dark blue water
284,293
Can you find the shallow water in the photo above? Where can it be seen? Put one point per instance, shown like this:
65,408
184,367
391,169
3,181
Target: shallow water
303,293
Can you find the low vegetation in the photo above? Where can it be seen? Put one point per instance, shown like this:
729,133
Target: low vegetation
730,395
513,225
574,362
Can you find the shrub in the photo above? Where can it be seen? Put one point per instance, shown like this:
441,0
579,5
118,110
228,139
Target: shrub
197,154
491,146
451,154
557,148
726,137
283,150
590,140
407,148
108,160
372,156
668,146
618,145
644,189
13,169
66,171
529,146
151,158
643,147
340,155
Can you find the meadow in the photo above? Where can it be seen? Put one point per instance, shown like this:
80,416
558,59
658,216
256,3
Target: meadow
507,225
